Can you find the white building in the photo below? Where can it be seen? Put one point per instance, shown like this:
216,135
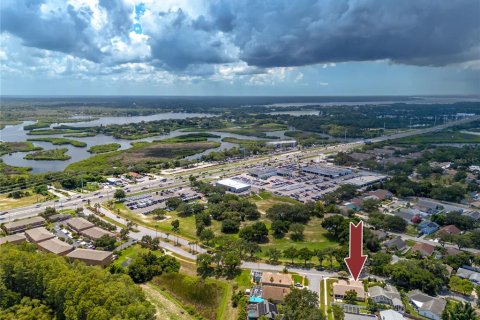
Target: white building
391,315
233,185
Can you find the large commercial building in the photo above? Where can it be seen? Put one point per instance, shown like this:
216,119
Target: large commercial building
282,143
233,185
92,257
365,181
22,225
330,172
263,172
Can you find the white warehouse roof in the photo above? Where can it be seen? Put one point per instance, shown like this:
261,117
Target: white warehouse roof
230,183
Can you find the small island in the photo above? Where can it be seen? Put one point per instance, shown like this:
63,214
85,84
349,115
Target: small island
21,146
60,141
103,148
52,154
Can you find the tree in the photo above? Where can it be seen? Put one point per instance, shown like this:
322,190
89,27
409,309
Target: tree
252,248
350,297
395,223
477,290
230,226
158,213
48,212
119,194
279,228
150,243
273,255
206,235
173,203
370,204
460,311
124,234
175,225
145,266
302,304
338,313
378,263
290,253
305,254
296,230
463,286
106,242
256,232
204,265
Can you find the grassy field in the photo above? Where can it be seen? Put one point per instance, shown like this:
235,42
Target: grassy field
208,298
166,308
441,137
37,125
256,130
22,146
60,141
53,154
10,203
80,135
154,152
52,131
314,238
4,123
102,148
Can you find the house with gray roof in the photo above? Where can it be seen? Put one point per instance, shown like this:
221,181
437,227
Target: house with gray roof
472,275
427,306
395,244
388,295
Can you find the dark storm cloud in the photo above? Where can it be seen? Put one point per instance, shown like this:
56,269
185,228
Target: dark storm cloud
275,33
183,41
66,32
267,33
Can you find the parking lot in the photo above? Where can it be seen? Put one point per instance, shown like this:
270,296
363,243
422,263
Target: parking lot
292,181
146,203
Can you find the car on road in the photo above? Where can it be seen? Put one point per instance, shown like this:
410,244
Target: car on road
38,206
79,196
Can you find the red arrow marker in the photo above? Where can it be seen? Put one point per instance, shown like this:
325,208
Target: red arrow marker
356,259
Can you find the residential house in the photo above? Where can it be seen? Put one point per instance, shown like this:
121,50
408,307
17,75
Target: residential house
381,235
469,273
342,286
407,214
428,207
395,244
388,295
427,306
264,308
390,315
450,229
381,194
55,246
276,286
95,233
428,227
424,249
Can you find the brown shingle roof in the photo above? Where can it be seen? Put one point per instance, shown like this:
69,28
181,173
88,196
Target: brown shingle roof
79,224
14,238
55,246
450,229
95,233
38,234
423,248
342,286
89,254
275,293
278,279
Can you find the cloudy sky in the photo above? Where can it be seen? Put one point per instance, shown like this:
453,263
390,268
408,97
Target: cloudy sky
241,47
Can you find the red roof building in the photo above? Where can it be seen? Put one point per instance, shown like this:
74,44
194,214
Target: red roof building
424,248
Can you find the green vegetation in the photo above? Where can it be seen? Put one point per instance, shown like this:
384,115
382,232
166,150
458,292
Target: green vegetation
445,136
60,141
80,135
42,132
102,148
37,125
256,130
4,123
151,153
202,297
307,138
52,287
53,154
22,146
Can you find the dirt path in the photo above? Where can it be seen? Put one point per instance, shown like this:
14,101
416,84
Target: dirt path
166,309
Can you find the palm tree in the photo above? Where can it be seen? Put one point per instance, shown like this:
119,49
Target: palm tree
461,311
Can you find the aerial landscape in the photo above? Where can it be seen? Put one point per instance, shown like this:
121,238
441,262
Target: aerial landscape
243,160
